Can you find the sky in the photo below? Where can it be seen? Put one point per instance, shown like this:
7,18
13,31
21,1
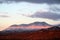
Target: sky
28,11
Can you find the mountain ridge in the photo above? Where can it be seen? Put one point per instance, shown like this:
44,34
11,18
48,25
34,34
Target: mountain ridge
34,23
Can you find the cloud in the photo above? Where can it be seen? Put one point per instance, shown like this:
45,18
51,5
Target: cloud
55,8
32,1
47,15
4,16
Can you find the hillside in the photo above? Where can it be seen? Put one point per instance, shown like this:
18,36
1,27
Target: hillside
43,34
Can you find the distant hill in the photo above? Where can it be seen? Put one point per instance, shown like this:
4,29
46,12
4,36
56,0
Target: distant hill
40,24
27,27
34,23
14,25
54,28
58,25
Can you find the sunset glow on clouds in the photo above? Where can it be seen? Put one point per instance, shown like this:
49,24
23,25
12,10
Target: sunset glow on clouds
18,13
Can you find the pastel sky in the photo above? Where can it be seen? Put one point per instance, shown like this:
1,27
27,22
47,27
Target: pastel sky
22,12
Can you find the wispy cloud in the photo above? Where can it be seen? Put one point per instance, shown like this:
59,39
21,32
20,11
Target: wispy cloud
32,1
4,16
47,15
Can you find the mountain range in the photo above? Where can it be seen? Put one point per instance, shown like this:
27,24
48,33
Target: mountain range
29,27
